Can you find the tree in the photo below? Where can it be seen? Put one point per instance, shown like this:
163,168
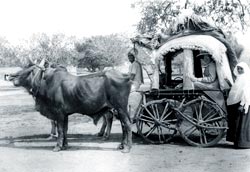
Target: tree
56,48
99,52
7,53
229,15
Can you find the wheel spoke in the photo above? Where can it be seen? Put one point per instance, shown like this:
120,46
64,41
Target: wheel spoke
190,119
203,136
146,117
159,133
170,121
149,113
196,112
150,131
164,112
168,114
213,116
191,129
140,125
146,120
200,111
157,111
212,120
147,127
218,126
153,110
201,141
208,114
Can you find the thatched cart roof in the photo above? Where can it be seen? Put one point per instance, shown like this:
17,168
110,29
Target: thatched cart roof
195,42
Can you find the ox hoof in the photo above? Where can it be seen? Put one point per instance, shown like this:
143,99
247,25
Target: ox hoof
57,149
100,134
105,138
65,147
52,137
120,147
126,149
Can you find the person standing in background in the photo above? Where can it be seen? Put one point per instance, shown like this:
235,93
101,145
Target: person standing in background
238,108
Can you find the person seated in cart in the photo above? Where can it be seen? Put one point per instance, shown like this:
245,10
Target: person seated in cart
208,79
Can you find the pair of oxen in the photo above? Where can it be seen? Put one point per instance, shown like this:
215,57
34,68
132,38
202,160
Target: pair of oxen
58,94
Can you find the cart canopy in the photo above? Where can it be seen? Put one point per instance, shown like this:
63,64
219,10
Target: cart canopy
206,43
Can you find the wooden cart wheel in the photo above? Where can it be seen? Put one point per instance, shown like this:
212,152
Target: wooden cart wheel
156,121
202,122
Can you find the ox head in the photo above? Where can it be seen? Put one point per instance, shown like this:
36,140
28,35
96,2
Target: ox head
29,76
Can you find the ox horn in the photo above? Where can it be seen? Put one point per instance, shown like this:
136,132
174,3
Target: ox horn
42,63
30,61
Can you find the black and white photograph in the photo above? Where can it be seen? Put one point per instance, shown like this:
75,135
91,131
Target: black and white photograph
125,85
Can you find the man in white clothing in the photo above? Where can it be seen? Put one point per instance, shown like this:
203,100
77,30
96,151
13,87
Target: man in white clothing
136,76
135,70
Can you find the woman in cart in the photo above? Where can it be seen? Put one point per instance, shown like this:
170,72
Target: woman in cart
238,108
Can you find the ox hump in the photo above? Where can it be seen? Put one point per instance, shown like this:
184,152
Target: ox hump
117,76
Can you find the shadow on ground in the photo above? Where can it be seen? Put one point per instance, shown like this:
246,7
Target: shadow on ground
84,142
76,142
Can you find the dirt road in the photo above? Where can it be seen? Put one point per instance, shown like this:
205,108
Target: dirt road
24,146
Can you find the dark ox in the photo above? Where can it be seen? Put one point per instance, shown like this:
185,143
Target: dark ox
59,94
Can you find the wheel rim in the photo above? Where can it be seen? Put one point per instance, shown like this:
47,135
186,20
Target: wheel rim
202,123
156,122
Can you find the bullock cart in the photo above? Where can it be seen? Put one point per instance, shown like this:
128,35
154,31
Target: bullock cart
197,113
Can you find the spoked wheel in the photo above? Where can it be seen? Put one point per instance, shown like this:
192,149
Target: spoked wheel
202,122
156,121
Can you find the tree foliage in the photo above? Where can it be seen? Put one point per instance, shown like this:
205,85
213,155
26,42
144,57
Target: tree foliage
99,52
56,48
7,53
229,15
94,53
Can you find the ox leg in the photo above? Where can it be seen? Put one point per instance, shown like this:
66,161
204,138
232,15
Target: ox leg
126,143
60,138
109,121
53,133
121,146
65,130
104,125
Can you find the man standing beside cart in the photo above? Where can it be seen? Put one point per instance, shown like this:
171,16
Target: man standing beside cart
136,76
135,70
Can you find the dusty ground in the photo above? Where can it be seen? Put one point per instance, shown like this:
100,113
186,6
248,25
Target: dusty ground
24,147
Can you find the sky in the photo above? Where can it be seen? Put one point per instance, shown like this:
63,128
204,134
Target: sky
82,18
